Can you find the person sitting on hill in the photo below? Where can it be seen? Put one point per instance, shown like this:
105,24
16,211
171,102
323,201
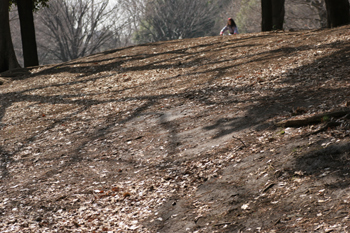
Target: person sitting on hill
230,26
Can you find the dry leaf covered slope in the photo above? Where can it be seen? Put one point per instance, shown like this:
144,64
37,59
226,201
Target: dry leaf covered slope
181,136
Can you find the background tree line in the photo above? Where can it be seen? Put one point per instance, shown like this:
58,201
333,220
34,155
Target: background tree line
51,31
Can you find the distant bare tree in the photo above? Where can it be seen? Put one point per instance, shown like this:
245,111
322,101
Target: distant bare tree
247,14
176,19
320,7
131,13
76,28
305,14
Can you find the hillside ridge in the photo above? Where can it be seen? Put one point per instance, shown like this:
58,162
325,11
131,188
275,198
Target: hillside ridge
182,136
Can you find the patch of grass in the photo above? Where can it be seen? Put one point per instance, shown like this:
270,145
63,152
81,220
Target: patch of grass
281,132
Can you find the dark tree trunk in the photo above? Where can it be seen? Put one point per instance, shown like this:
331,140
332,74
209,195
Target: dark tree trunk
25,12
337,13
266,15
8,58
272,12
278,14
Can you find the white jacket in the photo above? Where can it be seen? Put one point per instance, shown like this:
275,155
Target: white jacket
232,30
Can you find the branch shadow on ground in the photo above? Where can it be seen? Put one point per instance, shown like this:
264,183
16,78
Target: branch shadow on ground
146,51
257,115
333,159
284,100
319,161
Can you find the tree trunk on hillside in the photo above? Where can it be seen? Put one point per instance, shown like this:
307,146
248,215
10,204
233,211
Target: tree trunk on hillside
8,58
272,13
25,12
266,15
278,14
337,13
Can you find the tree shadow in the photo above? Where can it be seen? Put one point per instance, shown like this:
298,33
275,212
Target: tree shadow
149,51
5,159
283,100
319,161
16,74
258,115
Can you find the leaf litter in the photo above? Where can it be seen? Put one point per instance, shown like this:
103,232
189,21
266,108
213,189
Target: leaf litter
181,136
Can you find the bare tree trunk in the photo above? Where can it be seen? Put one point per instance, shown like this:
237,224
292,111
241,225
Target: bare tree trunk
8,58
278,14
25,13
272,14
337,13
266,15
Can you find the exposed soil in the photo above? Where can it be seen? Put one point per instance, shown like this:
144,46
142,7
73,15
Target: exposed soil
182,136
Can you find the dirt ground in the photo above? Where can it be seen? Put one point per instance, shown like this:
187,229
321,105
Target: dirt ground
246,133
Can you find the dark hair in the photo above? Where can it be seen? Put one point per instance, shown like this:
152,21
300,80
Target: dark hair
231,22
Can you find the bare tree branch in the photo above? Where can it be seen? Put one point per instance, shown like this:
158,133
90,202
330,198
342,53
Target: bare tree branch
77,28
176,19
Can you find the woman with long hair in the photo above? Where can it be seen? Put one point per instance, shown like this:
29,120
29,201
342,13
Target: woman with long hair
230,26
